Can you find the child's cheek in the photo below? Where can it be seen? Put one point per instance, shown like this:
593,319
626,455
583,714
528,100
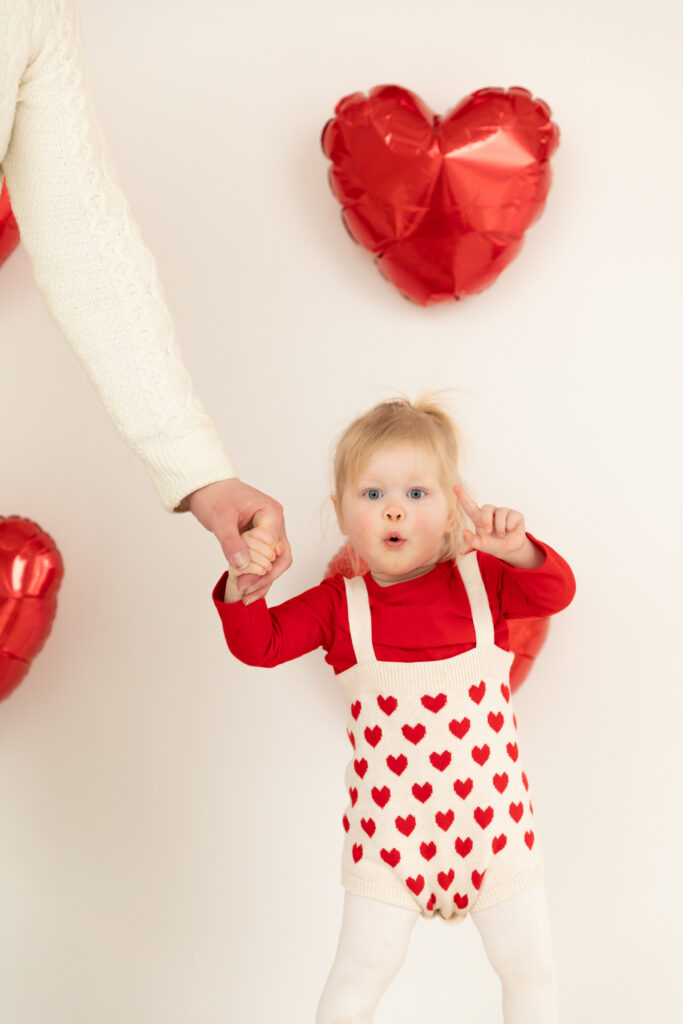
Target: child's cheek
362,530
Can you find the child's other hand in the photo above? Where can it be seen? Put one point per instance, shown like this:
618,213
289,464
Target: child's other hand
263,551
499,531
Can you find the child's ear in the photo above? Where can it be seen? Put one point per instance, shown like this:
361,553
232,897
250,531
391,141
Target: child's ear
337,512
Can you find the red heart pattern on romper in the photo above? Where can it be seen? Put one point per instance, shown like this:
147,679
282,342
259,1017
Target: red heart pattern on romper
516,811
463,789
441,761
444,819
434,703
397,764
459,729
439,849
405,825
483,816
463,846
496,721
387,704
373,736
445,878
414,733
501,781
392,857
381,796
478,692
481,754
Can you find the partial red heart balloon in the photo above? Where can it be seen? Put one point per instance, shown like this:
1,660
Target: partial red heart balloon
442,202
31,571
9,232
527,636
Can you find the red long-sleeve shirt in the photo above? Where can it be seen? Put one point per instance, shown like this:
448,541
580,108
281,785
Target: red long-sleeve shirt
425,619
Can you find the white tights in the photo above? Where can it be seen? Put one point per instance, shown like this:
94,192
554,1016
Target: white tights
374,939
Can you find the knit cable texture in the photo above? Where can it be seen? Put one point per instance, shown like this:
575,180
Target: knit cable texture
98,279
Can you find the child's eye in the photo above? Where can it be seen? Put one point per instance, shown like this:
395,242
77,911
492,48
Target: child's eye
373,493
416,492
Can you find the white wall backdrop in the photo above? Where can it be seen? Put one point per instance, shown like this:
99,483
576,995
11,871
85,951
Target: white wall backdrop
170,819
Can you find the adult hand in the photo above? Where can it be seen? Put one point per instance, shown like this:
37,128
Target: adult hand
230,507
262,554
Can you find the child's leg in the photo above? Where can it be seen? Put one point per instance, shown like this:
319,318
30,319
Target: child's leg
372,946
516,936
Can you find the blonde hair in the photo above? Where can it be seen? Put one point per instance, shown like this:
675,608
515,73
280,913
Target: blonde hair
398,420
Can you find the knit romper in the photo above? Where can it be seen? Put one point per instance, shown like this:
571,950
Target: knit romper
440,819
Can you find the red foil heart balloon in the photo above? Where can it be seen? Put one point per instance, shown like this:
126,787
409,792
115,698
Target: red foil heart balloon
442,202
9,232
31,571
527,636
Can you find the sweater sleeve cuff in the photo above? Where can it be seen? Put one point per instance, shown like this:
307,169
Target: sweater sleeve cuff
182,465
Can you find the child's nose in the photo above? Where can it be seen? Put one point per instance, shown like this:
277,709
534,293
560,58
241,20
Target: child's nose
394,513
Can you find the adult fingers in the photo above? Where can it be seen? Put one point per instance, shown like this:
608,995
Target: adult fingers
247,581
234,548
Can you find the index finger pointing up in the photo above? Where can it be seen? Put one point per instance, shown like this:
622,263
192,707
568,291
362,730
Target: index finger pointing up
467,503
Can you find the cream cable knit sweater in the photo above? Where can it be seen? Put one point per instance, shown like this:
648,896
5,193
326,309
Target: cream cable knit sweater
98,279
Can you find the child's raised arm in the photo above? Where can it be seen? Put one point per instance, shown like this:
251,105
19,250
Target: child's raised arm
500,532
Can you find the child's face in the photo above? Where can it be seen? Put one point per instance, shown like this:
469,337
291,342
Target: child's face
396,514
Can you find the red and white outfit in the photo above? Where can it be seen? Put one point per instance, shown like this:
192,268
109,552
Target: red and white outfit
440,818
431,720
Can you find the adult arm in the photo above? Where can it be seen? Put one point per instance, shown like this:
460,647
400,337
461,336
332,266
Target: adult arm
98,279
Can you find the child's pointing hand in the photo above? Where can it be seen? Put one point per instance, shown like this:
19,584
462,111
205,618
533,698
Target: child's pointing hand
499,531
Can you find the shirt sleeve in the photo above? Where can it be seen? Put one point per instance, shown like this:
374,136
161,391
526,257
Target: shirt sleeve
527,593
98,279
258,635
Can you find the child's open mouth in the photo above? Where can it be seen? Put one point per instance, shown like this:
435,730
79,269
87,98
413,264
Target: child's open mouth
394,541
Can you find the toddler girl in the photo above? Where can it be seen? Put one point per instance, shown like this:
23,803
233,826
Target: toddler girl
439,819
